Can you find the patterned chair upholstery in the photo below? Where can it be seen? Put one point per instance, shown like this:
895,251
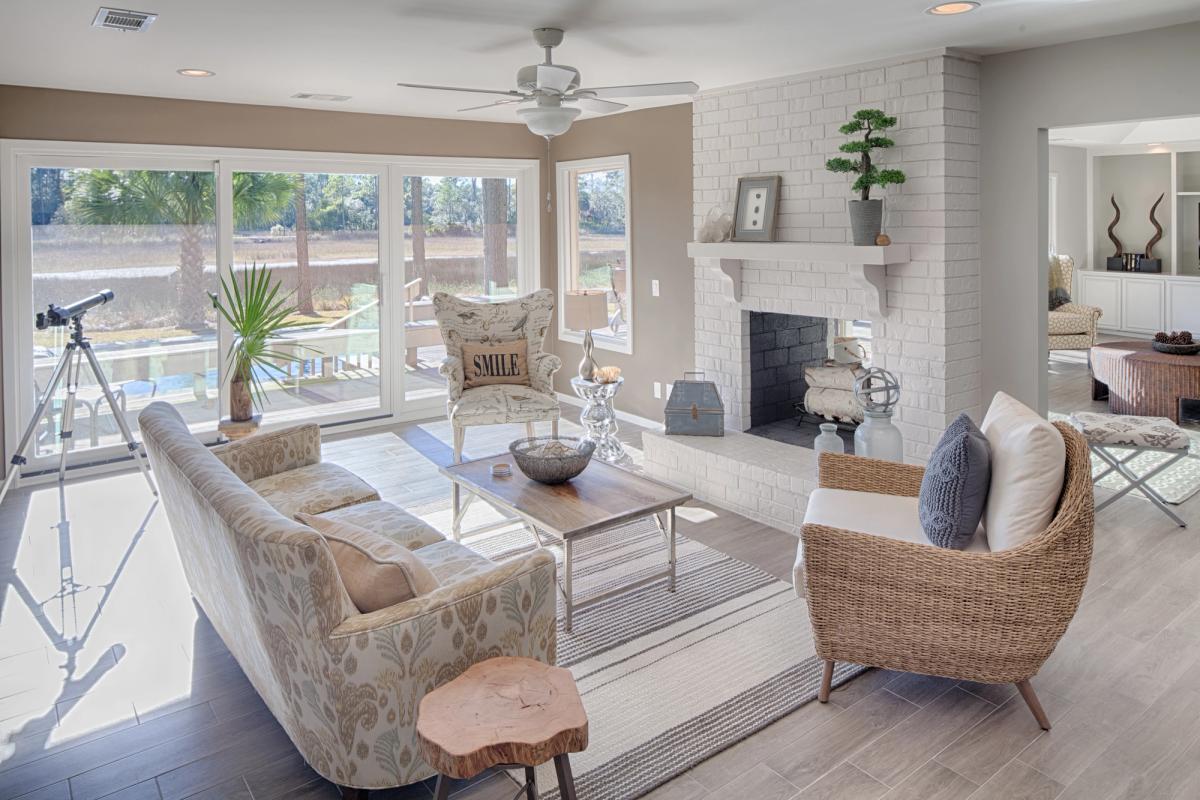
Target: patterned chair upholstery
526,318
344,685
1071,326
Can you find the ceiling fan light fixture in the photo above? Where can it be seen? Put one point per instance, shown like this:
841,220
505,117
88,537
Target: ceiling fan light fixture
548,120
950,9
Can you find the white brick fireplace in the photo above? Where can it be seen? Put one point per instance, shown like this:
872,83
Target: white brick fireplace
921,294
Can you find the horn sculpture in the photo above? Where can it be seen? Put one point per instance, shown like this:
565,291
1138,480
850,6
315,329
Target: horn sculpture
1158,231
1120,248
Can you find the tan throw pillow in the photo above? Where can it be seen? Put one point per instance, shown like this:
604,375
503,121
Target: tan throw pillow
376,571
488,364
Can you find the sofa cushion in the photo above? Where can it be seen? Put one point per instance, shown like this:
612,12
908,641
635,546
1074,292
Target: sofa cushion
384,518
376,571
955,487
452,562
1028,463
313,489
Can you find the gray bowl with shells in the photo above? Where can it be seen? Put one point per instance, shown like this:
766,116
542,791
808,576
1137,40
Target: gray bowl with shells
552,459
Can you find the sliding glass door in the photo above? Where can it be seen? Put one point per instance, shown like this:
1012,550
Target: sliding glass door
358,244
320,239
149,235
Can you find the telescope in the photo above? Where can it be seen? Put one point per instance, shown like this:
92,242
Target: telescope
58,316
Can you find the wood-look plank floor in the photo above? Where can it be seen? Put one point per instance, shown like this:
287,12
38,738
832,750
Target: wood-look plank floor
113,686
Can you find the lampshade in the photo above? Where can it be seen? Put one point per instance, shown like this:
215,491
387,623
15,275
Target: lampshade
548,120
585,311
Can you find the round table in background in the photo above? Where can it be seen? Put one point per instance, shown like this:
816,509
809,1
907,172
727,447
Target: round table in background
1137,379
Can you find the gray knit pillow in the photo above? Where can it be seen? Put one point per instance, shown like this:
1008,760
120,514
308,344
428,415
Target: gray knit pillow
955,487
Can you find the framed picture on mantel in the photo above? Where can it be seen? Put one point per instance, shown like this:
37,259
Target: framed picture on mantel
754,210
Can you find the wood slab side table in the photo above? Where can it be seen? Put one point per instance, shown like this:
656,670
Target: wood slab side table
504,712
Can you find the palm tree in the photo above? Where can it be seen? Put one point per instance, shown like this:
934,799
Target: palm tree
186,199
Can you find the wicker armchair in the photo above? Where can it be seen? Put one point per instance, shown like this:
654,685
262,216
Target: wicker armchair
978,616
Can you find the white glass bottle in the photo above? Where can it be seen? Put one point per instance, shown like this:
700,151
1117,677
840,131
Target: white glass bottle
878,438
827,441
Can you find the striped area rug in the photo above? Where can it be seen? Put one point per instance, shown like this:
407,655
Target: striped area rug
670,679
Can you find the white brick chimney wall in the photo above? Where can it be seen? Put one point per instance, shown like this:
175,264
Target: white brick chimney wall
789,127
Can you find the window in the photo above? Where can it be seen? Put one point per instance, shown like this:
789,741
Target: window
161,225
594,243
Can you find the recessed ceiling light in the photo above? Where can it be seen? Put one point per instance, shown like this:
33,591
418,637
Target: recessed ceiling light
196,73
950,9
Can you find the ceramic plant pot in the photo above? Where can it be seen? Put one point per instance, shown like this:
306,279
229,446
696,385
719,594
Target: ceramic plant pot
866,220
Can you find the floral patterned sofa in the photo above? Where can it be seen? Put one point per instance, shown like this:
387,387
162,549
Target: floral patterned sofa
344,685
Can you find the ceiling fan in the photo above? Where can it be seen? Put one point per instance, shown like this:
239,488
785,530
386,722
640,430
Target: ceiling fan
555,91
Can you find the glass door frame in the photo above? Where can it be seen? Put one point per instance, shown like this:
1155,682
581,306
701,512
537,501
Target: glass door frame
16,278
18,156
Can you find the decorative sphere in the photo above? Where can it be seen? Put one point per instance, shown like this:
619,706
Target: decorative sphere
877,390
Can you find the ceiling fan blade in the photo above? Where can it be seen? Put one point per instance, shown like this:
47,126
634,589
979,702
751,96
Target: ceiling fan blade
645,90
599,106
554,78
497,103
509,92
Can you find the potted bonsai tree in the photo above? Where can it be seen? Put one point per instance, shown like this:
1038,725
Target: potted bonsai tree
866,215
254,308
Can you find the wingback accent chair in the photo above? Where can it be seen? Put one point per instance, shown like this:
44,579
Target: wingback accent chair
344,685
525,318
990,617
1071,326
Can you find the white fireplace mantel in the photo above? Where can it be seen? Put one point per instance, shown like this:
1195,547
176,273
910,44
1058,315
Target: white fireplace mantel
868,265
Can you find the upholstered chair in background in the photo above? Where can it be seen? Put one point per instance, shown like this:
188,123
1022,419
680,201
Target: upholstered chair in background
463,321
1071,326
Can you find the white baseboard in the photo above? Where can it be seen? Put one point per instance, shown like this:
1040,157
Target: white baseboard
623,416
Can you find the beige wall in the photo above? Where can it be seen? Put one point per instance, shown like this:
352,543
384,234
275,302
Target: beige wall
659,144
1024,93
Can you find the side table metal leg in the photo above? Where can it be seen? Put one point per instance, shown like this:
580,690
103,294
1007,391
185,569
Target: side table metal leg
568,596
442,792
530,784
566,782
456,509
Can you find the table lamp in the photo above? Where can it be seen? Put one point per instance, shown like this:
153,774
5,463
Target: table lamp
586,311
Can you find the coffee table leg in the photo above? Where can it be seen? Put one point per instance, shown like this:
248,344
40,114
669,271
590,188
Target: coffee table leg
568,596
442,792
456,509
566,782
671,549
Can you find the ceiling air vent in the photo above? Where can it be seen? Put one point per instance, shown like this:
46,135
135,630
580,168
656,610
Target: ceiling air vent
120,19
325,98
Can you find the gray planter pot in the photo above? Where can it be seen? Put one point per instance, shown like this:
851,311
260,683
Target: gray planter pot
866,220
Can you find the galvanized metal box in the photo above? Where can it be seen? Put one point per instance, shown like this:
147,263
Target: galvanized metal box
695,408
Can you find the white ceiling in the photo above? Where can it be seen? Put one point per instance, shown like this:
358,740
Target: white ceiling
1147,133
263,51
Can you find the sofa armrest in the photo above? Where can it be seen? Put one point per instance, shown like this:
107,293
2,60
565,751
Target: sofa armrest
1078,308
859,474
541,372
270,453
451,369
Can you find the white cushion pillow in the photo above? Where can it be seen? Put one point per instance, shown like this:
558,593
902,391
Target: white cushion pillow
1028,462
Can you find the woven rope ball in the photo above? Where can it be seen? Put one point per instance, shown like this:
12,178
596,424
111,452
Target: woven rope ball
877,390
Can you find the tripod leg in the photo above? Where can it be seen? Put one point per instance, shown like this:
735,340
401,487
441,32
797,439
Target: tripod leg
66,429
134,448
18,459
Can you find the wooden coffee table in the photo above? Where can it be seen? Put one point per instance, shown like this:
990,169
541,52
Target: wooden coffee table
600,498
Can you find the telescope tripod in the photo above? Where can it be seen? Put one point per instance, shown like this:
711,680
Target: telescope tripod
70,365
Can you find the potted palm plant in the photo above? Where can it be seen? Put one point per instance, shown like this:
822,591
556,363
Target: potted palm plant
866,215
257,311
